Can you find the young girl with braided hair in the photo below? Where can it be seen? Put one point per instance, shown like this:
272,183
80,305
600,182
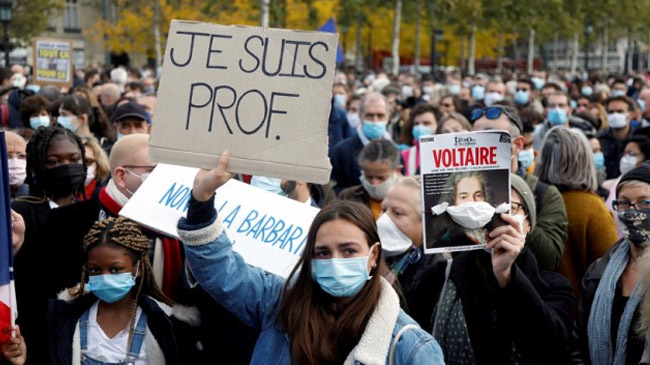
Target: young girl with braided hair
118,314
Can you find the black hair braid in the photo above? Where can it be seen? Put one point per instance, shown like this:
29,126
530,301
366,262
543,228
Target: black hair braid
37,157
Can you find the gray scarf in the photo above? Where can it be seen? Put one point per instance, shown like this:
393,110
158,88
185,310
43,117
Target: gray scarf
600,317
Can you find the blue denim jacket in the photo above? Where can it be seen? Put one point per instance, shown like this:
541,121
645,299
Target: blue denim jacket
254,296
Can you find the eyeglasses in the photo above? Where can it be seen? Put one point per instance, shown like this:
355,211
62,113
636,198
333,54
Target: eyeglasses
623,205
493,113
148,168
515,208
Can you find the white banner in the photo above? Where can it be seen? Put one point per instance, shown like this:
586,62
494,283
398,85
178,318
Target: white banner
268,230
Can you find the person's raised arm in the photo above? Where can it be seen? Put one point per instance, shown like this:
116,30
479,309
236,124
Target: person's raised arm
248,292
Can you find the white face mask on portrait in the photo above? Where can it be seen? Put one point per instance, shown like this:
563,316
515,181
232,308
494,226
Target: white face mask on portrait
470,215
393,241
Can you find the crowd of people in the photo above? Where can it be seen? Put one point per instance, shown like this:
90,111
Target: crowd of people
562,280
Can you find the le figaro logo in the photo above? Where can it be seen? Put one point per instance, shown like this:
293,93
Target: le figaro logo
464,141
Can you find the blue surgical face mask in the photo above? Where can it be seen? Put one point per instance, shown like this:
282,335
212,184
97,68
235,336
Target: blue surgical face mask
373,130
478,92
120,136
421,131
341,278
339,100
40,121
111,287
521,97
538,82
599,160
586,90
618,93
526,158
557,116
270,184
66,122
641,103
454,89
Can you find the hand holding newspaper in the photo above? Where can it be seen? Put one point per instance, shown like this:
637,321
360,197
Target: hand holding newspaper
465,186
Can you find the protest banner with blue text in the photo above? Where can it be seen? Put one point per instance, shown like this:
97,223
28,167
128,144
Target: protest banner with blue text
268,230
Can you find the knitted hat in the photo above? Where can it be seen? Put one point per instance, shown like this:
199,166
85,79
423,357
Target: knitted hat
640,173
521,187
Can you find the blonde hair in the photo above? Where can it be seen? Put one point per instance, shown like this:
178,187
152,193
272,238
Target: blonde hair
103,170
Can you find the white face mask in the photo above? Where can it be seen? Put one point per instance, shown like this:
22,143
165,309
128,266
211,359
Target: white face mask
617,120
470,215
17,171
377,192
354,120
428,90
520,219
627,163
407,91
393,241
491,98
90,174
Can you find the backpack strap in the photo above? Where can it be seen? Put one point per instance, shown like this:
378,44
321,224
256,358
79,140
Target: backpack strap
397,336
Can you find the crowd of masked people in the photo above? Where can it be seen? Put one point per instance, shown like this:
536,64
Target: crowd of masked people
560,280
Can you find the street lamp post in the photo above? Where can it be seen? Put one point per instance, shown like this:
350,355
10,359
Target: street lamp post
6,8
589,28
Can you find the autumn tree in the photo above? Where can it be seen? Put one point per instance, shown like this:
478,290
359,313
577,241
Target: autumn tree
31,17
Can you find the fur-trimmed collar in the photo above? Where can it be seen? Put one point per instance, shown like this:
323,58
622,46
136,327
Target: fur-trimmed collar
375,342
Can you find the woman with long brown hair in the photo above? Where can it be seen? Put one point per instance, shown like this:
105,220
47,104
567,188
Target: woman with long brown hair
334,308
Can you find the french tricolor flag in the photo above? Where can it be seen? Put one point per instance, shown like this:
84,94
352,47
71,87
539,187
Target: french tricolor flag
8,310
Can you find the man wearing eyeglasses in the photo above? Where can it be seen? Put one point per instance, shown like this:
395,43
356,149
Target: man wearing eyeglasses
546,241
374,114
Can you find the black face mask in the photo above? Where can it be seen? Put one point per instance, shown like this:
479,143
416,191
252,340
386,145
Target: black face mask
63,180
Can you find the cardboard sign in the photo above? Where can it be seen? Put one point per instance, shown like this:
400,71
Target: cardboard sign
263,94
465,185
52,62
268,230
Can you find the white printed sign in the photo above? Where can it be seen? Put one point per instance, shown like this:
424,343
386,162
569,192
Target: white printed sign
268,230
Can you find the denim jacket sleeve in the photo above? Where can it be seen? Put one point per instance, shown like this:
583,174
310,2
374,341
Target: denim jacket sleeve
248,292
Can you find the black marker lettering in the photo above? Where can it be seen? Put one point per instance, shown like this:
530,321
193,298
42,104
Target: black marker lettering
222,107
211,51
257,60
189,57
295,58
191,104
311,54
264,58
237,111
275,111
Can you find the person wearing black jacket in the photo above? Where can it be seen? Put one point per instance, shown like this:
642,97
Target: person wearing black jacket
606,325
56,171
497,308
